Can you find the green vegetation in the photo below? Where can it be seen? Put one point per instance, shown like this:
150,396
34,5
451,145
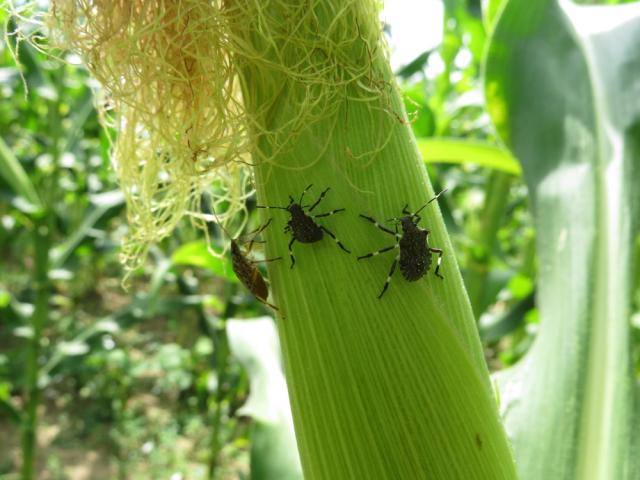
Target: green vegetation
580,161
527,117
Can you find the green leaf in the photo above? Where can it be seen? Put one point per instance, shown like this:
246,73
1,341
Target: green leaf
73,348
5,298
7,407
13,173
562,89
274,453
491,9
78,345
104,202
416,65
494,327
196,254
449,150
415,102
82,109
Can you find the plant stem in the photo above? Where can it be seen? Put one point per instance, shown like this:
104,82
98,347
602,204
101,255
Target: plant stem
41,237
221,353
495,205
44,226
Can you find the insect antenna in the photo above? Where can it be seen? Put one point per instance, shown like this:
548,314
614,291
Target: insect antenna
269,206
240,238
219,224
291,201
434,198
302,194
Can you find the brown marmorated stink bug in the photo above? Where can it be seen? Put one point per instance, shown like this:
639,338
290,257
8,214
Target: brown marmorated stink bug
414,253
302,224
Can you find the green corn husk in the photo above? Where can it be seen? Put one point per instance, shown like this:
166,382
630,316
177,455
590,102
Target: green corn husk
389,388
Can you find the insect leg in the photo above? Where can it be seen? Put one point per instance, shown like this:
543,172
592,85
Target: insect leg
264,302
256,233
378,252
293,259
334,237
440,253
319,199
386,283
259,229
375,222
328,213
415,216
266,260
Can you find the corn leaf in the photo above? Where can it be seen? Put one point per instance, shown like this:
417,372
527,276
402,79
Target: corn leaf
450,150
196,254
273,443
13,173
562,89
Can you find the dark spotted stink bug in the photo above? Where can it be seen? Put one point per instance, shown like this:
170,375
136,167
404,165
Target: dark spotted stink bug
415,252
302,224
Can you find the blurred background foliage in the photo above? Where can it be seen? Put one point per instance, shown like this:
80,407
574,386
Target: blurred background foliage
146,383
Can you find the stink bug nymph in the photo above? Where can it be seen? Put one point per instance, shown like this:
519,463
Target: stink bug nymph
414,253
302,224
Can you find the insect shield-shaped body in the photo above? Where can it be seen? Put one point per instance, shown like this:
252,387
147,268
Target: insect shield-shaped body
302,224
414,253
246,269
249,275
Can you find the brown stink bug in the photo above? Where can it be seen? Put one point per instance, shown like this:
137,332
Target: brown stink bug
414,252
302,224
246,269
